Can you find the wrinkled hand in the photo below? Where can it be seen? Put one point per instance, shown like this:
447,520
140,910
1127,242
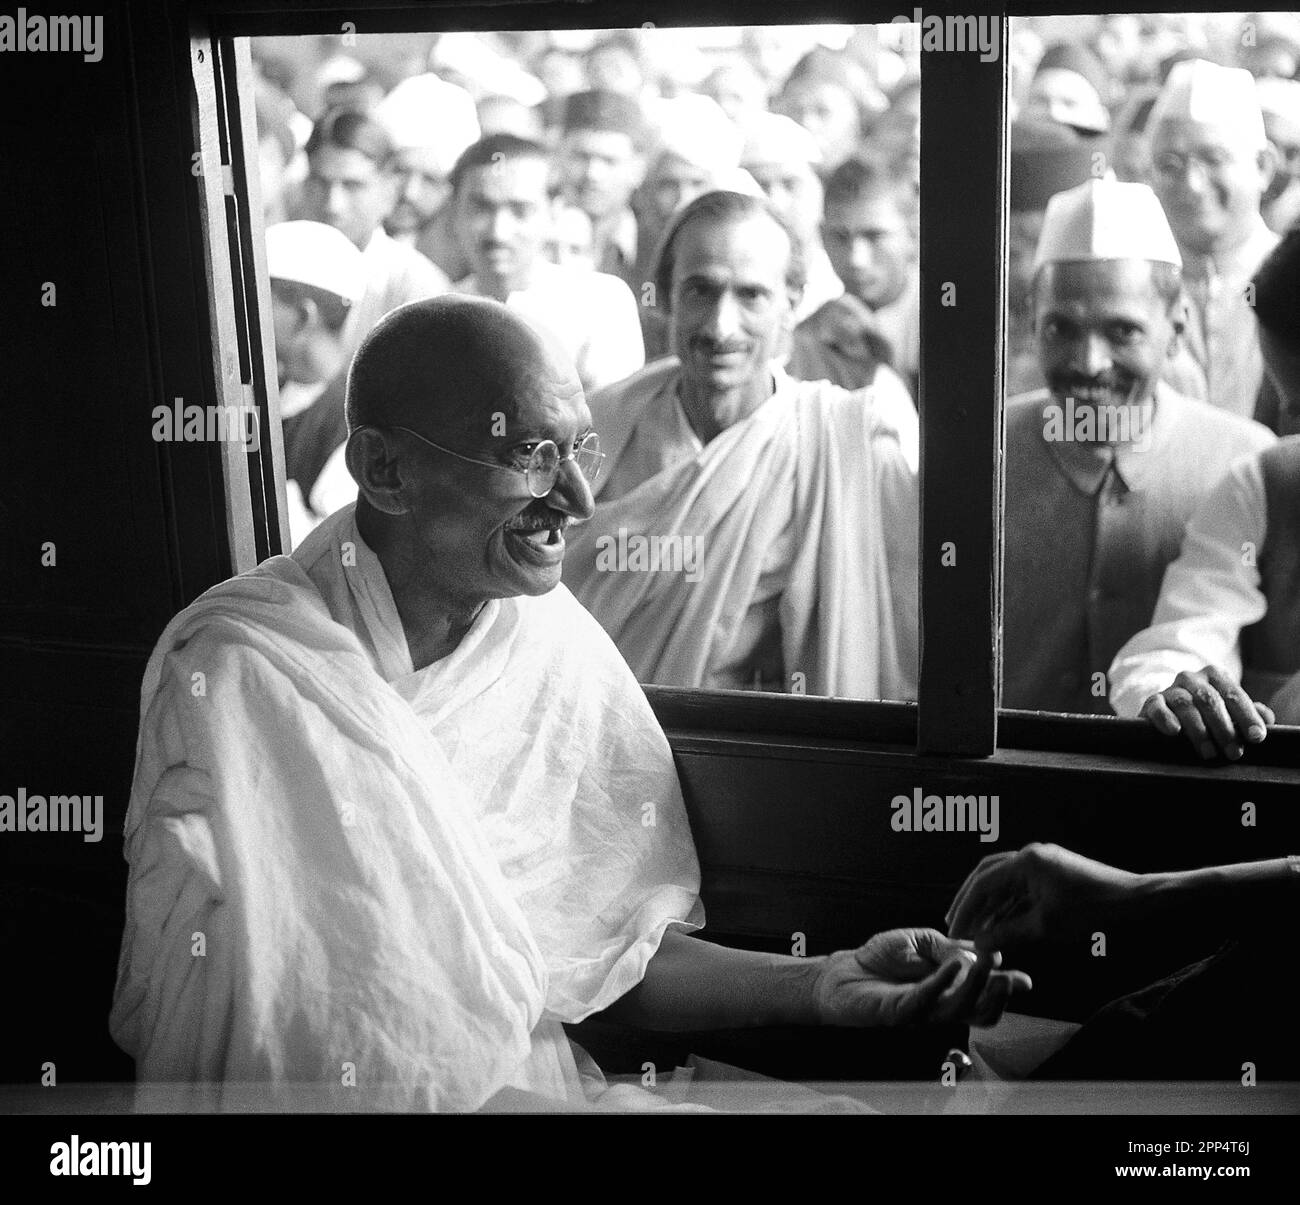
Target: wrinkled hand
1043,891
1210,708
914,977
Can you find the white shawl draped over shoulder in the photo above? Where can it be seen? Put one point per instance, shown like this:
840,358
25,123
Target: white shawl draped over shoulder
834,460
338,863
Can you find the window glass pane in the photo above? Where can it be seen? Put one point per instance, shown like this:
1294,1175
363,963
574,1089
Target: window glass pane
754,390
1149,365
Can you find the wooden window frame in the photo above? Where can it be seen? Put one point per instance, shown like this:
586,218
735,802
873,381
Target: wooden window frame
963,169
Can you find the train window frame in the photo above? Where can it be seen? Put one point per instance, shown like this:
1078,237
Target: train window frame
964,120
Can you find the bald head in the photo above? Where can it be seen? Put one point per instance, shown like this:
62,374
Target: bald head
447,364
448,399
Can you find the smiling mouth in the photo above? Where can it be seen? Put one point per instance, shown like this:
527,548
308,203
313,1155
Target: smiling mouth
539,544
543,537
1093,391
723,353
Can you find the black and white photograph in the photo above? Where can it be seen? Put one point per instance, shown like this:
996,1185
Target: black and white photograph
672,560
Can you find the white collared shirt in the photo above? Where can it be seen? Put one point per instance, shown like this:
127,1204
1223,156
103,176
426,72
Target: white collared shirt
1209,594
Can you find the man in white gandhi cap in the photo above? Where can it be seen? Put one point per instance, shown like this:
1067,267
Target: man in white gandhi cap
697,148
1220,660
1106,465
430,123
784,159
317,276
1210,165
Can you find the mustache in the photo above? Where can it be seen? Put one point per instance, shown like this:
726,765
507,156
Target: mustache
1109,382
541,519
704,343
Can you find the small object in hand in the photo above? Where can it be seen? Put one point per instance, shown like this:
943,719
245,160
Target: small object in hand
959,1059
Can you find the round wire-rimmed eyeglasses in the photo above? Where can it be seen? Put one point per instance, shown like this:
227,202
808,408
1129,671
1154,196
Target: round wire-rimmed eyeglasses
543,463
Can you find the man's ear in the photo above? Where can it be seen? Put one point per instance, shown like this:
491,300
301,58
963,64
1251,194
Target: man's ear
1180,316
372,459
1268,161
795,296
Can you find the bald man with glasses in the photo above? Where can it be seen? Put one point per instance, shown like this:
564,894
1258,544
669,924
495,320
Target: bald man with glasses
401,810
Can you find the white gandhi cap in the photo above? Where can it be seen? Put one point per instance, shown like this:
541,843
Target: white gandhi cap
1206,94
312,253
427,113
696,129
1105,219
775,138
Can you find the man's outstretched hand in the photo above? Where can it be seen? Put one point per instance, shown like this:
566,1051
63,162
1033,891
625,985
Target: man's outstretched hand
914,977
1211,710
1041,892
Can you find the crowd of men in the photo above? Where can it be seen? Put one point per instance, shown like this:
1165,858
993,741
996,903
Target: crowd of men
728,253
1151,191
789,298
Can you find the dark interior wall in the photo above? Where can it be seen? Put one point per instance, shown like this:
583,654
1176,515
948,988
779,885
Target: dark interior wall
97,204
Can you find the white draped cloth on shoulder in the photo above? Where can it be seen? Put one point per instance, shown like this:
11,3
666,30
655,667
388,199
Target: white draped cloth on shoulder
339,866
815,463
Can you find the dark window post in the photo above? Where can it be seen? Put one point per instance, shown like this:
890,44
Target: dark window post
963,141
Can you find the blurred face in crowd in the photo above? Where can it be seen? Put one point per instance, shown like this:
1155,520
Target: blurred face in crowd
1284,133
349,191
1023,230
308,327
737,90
599,170
1130,148
730,309
1067,98
828,112
362,95
870,245
794,191
1271,60
422,189
899,128
1209,183
560,72
672,182
614,68
1119,42
1104,332
503,220
571,242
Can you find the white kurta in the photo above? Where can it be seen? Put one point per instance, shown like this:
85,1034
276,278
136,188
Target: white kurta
407,877
800,523
1209,595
